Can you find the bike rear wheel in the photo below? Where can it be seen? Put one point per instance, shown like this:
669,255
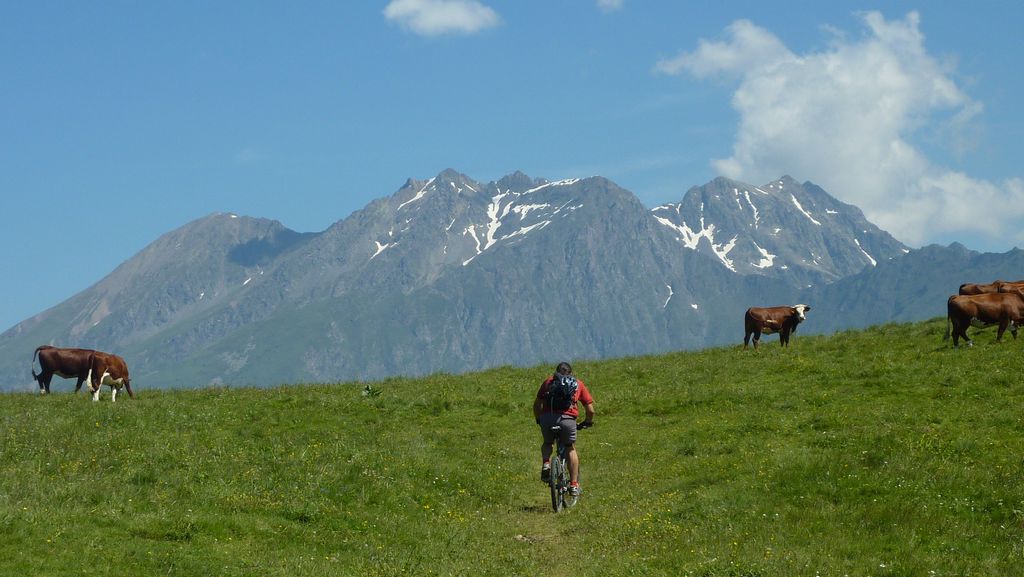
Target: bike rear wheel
555,483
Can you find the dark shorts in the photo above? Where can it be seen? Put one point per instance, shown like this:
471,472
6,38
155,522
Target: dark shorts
568,432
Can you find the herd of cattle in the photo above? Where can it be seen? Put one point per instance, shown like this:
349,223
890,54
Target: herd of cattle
998,303
97,367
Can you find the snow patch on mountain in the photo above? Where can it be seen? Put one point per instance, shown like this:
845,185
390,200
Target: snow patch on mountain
767,259
381,248
565,182
757,218
801,209
691,238
870,258
503,206
422,192
723,251
493,210
567,208
526,229
524,209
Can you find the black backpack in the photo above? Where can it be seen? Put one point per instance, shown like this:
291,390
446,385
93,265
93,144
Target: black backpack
562,392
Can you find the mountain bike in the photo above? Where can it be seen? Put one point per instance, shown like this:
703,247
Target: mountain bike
558,482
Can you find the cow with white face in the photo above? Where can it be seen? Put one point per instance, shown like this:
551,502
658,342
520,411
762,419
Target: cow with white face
771,320
111,370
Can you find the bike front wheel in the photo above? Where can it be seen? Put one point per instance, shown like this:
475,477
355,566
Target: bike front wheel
568,499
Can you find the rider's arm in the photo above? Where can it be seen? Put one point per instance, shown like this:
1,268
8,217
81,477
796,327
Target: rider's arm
538,405
589,408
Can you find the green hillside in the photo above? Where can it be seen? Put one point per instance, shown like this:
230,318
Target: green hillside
879,452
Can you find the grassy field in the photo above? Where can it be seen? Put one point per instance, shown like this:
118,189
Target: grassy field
874,453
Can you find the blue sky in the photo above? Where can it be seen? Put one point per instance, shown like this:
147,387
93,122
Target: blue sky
121,121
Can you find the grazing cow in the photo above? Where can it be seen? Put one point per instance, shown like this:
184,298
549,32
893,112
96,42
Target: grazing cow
771,320
1005,309
65,363
970,288
109,369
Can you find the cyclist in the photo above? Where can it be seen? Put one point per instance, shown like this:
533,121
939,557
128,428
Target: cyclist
547,417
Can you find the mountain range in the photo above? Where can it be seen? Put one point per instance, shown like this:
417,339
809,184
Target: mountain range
450,274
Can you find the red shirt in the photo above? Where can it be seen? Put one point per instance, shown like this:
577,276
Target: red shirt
582,396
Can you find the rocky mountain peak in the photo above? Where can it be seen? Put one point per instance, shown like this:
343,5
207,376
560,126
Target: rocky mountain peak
519,182
781,228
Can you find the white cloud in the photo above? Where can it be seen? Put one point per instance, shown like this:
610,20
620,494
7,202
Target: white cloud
610,5
750,49
846,117
438,17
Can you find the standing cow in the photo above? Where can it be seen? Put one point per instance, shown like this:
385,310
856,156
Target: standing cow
1005,309
771,320
65,363
109,369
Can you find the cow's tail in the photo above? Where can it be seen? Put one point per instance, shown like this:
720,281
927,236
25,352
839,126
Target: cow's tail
92,365
34,375
949,317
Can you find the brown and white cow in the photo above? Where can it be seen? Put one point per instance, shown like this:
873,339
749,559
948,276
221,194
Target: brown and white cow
1005,309
970,288
771,320
65,363
109,369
